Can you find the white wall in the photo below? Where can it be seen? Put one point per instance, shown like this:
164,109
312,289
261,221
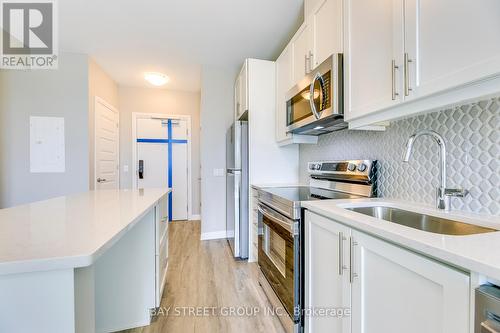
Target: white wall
154,100
217,114
62,93
103,86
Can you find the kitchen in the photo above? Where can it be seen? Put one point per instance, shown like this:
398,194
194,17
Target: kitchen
337,171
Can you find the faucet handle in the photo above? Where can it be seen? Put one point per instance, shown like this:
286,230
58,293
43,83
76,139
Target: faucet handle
455,192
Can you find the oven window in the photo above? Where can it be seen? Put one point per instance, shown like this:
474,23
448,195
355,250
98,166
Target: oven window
275,248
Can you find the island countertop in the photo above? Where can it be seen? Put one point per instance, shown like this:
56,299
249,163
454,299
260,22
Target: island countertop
70,231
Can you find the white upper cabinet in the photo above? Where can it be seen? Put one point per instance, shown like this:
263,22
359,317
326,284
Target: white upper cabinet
320,36
450,43
237,98
283,84
373,55
326,22
301,52
241,91
404,57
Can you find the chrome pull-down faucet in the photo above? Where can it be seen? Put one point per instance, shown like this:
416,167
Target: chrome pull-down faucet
443,194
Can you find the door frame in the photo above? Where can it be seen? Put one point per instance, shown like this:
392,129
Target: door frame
187,118
99,100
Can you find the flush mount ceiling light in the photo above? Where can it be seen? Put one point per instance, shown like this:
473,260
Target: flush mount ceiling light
156,79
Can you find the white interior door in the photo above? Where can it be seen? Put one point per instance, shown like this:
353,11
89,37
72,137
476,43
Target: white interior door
162,151
106,146
179,164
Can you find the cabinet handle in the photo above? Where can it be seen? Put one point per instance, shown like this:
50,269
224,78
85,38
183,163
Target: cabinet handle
407,61
394,92
341,253
351,259
307,63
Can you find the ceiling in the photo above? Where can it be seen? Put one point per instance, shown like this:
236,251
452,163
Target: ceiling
129,37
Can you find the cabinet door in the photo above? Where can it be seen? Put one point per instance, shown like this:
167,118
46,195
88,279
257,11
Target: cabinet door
396,290
244,87
283,84
300,52
327,283
373,40
326,22
237,98
450,43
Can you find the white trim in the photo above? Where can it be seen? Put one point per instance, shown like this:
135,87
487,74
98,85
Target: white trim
195,217
100,100
187,118
213,235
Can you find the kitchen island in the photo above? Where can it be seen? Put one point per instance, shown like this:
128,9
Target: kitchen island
88,262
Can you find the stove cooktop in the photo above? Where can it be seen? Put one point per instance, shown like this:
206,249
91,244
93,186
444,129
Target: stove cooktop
307,193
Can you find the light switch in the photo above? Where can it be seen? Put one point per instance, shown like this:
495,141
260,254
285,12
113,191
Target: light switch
218,172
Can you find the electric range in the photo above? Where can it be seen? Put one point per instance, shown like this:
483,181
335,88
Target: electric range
280,230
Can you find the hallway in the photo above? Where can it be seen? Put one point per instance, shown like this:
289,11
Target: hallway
203,279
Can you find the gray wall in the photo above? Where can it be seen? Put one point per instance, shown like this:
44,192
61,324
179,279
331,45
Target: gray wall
472,134
217,114
62,93
167,102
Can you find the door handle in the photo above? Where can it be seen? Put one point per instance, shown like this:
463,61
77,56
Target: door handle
486,327
316,112
141,169
101,180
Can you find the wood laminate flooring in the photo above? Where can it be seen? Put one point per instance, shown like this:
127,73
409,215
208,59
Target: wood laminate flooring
203,279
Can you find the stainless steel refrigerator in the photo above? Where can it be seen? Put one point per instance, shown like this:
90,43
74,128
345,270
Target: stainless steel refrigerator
237,189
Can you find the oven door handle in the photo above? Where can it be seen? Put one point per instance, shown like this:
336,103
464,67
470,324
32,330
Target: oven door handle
287,224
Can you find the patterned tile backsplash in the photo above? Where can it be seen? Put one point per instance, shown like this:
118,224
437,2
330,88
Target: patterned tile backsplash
472,135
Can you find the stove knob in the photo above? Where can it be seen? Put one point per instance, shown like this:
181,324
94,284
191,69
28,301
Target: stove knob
361,167
351,167
317,166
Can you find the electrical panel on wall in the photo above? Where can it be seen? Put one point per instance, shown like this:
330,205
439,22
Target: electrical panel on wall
47,146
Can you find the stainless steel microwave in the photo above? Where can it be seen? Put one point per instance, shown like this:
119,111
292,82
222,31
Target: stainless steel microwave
314,106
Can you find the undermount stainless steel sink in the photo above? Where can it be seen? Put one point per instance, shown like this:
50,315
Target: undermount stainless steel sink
421,221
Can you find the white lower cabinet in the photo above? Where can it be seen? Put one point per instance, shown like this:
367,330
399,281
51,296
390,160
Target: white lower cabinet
161,248
326,274
391,289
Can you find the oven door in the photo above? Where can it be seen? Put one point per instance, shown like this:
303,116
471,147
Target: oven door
278,256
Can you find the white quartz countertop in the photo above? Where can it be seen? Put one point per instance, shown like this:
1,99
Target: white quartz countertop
70,231
478,253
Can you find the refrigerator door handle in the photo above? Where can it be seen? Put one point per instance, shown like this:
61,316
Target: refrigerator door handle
233,171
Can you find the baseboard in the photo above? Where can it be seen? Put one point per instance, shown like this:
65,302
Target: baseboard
195,217
213,235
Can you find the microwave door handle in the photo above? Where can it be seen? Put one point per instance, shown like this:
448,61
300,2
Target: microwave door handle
311,95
